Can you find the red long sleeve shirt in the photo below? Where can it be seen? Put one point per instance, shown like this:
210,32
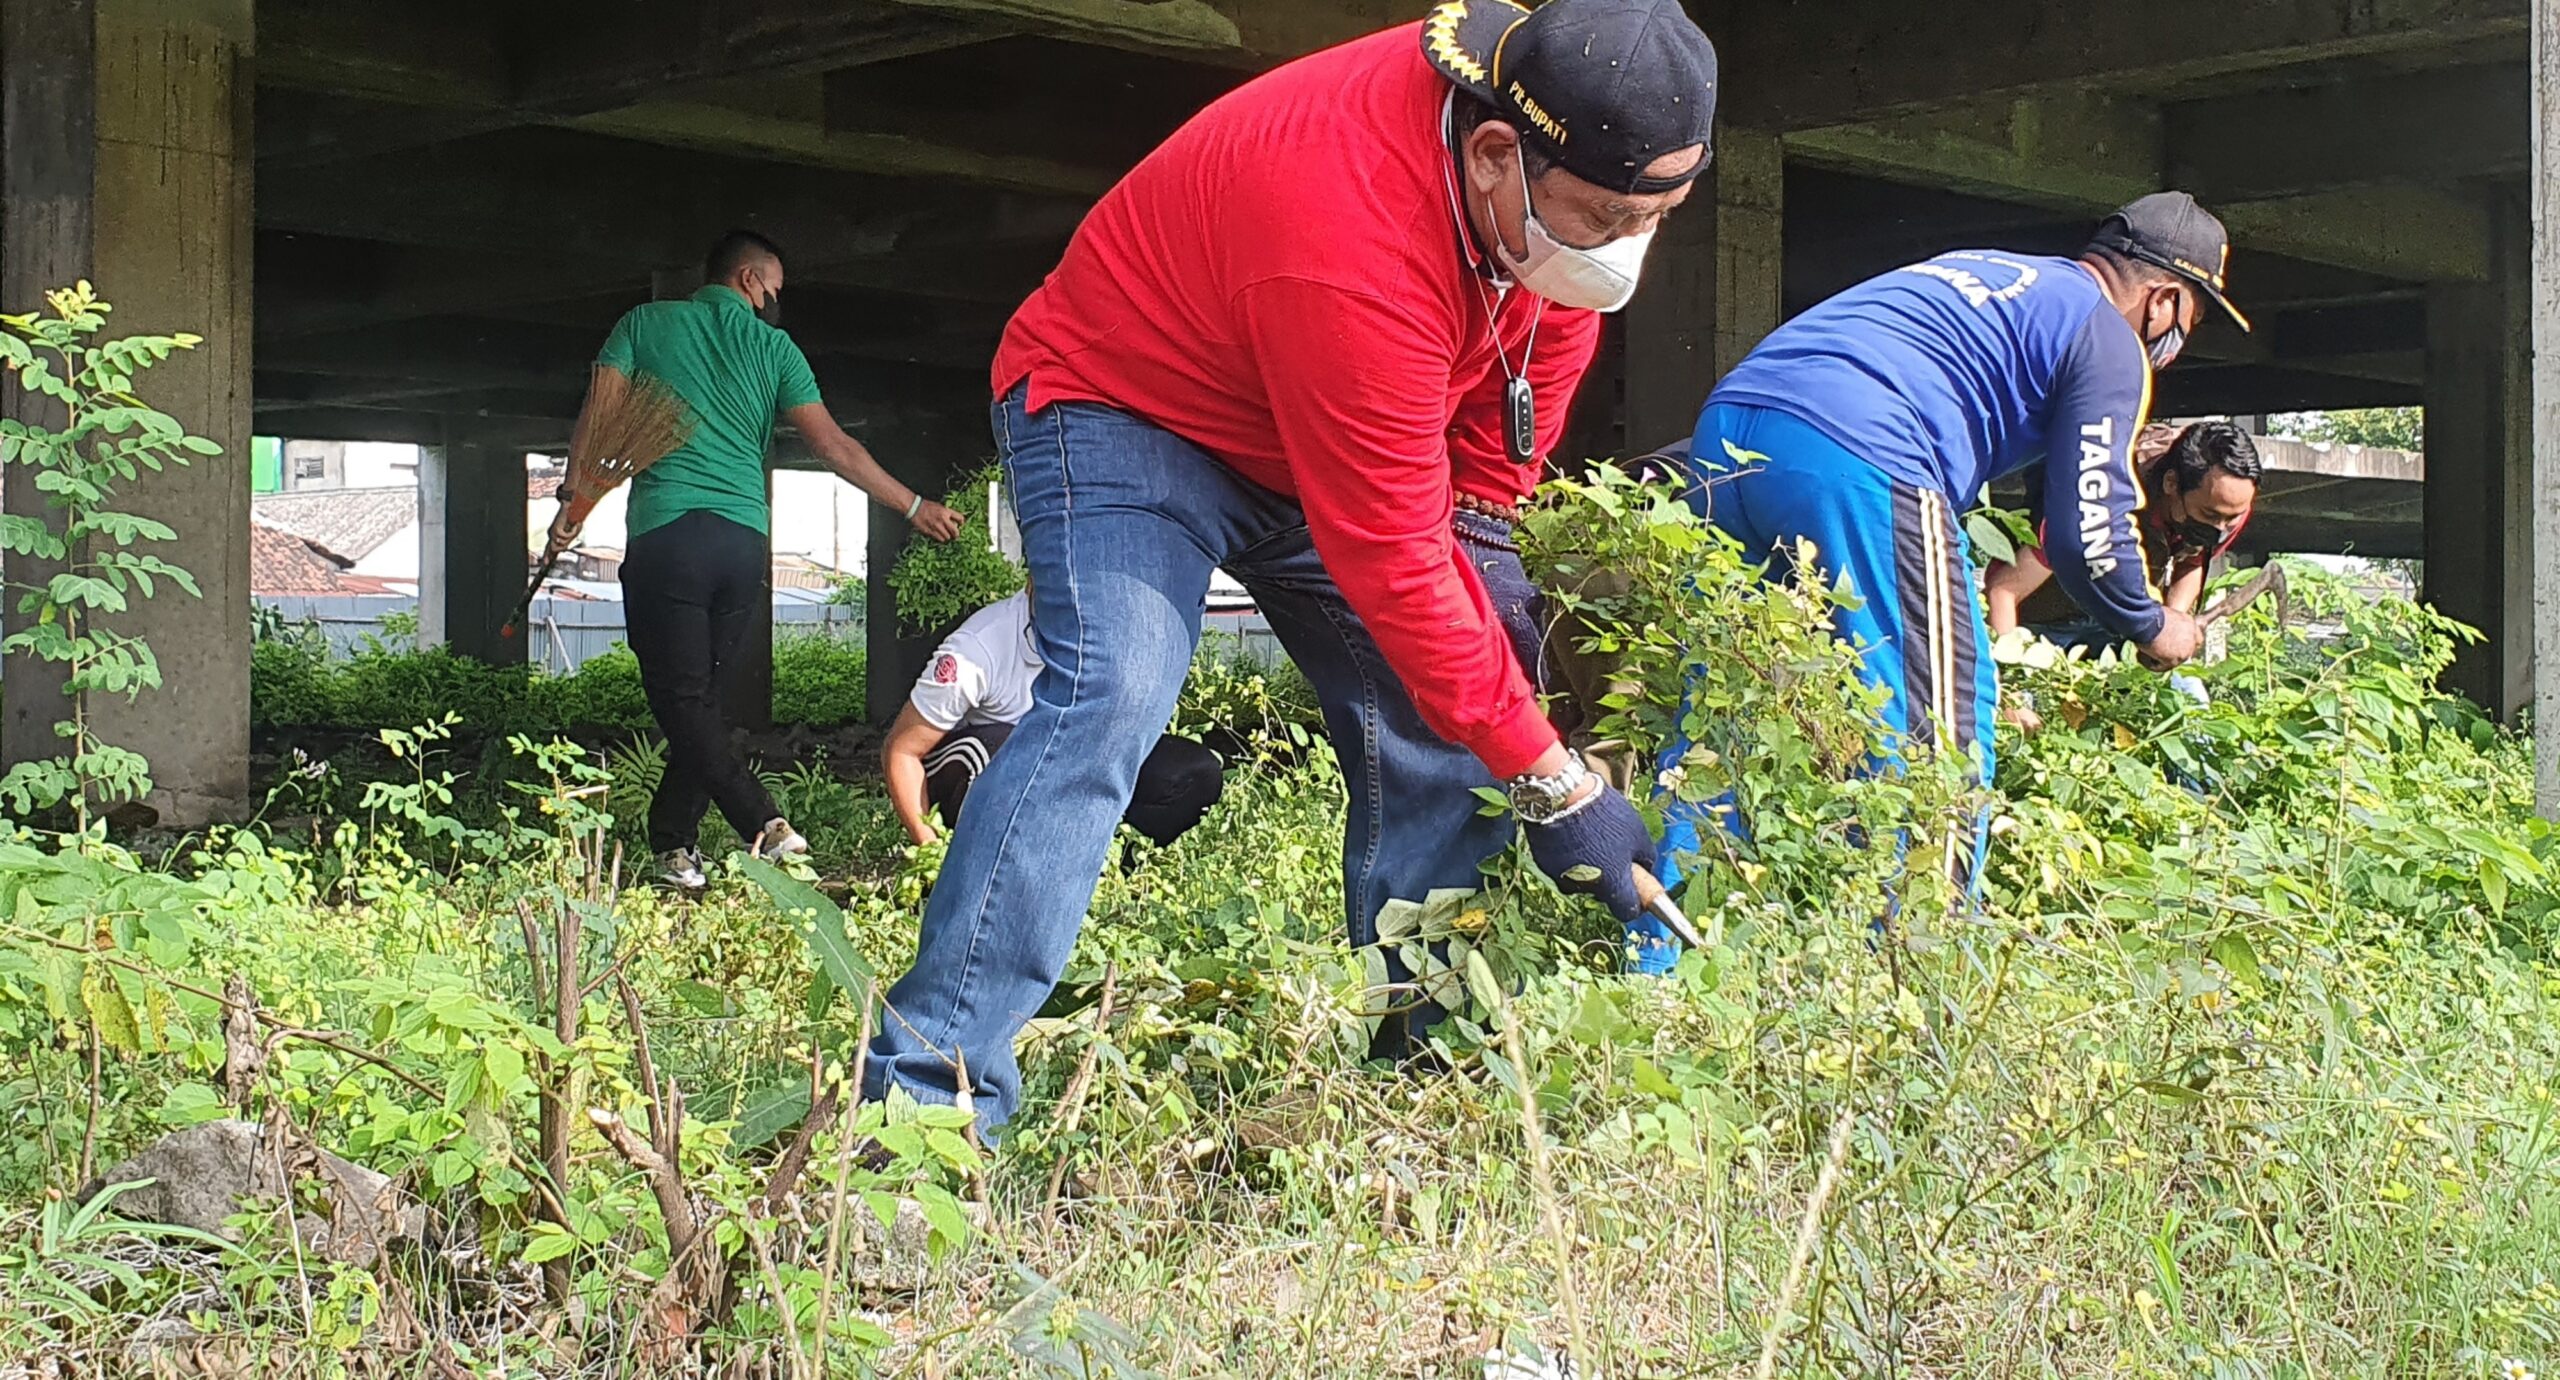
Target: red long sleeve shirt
1285,284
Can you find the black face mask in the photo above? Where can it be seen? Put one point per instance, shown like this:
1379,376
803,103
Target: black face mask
771,312
2197,532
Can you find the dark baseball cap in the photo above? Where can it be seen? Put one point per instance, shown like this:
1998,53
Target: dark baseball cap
2169,230
1602,86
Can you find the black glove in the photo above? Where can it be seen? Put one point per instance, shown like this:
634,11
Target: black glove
1605,837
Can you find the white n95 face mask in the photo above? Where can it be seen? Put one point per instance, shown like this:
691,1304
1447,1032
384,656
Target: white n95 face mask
1601,279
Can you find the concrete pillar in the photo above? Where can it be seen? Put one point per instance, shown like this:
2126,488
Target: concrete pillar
472,561
2544,296
893,656
48,188
1711,290
2478,521
2545,403
154,120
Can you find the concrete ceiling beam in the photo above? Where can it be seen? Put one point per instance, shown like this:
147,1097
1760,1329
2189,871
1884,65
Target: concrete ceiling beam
1814,64
604,54
1187,26
585,198
2089,154
2202,389
370,95
743,134
2446,125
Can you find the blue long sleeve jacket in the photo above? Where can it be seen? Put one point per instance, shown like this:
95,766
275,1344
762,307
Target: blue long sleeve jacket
1955,371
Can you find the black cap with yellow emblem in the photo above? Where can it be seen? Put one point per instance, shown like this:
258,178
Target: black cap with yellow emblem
1604,87
2169,230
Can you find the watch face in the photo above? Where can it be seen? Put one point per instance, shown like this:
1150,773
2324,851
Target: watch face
1536,797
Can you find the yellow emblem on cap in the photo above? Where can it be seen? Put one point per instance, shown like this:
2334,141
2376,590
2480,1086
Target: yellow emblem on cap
1440,36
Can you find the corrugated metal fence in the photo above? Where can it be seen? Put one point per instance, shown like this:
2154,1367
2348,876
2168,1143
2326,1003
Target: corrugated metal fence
572,631
565,632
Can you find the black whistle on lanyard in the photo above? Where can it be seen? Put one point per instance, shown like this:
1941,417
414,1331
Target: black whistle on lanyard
1520,420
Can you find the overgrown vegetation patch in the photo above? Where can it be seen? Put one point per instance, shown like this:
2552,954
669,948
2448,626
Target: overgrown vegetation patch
2243,1066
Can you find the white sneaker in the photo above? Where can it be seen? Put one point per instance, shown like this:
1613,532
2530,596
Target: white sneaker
682,869
779,840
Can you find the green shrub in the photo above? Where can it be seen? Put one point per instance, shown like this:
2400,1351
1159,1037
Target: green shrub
819,679
2242,1067
291,681
294,683
1229,688
604,692
938,583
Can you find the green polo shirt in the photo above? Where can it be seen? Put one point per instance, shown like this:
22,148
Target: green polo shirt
737,374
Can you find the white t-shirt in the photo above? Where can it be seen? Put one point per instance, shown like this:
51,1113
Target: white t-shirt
982,673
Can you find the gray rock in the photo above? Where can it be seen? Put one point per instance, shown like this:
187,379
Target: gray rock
157,1335
203,1174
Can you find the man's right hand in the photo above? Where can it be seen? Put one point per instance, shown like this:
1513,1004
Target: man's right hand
1596,849
564,533
937,521
2179,639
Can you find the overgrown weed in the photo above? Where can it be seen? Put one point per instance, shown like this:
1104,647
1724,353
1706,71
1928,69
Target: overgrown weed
2244,1067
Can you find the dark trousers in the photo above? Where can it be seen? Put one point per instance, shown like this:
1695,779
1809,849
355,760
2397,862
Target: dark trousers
689,592
1177,783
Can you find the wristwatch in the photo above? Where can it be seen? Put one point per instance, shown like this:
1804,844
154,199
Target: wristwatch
1545,799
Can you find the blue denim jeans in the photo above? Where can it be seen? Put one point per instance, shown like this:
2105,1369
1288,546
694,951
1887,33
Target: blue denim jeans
1122,522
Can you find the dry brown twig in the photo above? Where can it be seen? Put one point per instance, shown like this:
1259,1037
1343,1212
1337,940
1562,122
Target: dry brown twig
1808,1232
244,1056
1077,1089
559,981
1542,1178
689,1292
843,1200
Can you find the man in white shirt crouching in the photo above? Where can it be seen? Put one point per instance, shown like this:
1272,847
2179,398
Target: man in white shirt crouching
975,688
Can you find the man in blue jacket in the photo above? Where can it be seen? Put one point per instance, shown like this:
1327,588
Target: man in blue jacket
1871,423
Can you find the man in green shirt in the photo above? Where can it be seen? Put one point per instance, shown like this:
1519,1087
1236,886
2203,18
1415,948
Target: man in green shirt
699,521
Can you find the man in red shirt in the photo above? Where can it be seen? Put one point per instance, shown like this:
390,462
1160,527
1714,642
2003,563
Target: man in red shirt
1268,349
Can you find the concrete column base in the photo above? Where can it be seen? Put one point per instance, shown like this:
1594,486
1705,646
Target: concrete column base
173,250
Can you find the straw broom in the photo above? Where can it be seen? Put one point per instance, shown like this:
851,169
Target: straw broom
631,423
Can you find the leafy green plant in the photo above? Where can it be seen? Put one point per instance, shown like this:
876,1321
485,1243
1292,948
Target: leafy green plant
819,678
1779,729
295,683
1230,691
938,583
2260,1005
107,436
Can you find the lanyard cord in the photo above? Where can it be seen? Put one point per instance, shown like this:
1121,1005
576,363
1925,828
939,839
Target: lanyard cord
1478,266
